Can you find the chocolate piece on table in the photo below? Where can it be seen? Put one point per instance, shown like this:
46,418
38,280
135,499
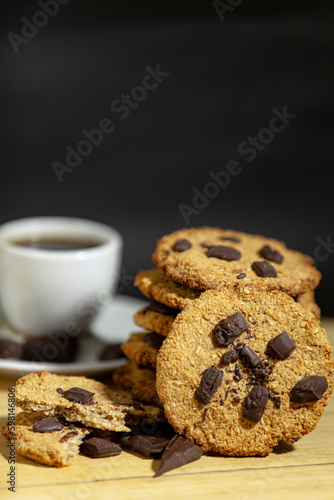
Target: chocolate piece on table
112,351
229,357
241,275
224,253
78,395
51,348
209,384
270,253
264,269
99,448
309,389
281,346
10,349
48,424
256,403
156,306
181,245
229,329
178,452
154,340
250,356
149,446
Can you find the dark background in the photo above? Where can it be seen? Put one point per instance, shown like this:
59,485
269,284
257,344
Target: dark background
225,79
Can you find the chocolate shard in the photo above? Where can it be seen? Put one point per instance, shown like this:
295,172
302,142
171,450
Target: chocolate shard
48,424
281,346
230,356
78,395
224,253
99,448
249,356
154,340
10,349
264,269
181,245
255,403
111,351
178,452
230,238
229,329
210,382
241,276
309,389
156,306
149,446
270,253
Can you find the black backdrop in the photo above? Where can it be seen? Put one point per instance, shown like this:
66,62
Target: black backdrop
222,79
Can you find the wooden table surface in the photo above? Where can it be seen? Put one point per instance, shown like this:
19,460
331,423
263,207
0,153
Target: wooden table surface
305,472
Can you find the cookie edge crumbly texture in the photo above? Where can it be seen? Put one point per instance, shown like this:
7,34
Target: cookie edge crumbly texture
202,280
45,448
307,301
180,329
154,321
127,412
138,350
156,285
139,381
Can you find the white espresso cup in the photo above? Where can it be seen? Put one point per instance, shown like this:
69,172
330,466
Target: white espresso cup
44,287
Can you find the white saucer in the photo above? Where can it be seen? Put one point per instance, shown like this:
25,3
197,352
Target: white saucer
113,325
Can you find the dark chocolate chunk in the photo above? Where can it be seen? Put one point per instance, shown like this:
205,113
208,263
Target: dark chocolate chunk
229,329
178,452
264,269
270,253
99,448
149,446
260,373
161,308
281,346
249,356
154,340
209,384
78,395
60,390
224,253
277,401
48,424
241,275
256,403
309,389
10,349
68,436
230,238
230,356
181,245
111,351
56,347
237,374
236,399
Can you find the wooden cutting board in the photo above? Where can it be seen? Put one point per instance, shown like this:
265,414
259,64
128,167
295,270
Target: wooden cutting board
304,472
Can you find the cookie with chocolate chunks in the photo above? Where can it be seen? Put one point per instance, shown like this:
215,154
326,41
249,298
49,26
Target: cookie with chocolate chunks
80,399
217,257
155,321
261,395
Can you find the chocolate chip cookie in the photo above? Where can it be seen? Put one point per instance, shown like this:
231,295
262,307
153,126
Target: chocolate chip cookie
143,348
243,368
203,258
156,317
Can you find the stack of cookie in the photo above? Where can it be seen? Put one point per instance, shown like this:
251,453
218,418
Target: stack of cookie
245,362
